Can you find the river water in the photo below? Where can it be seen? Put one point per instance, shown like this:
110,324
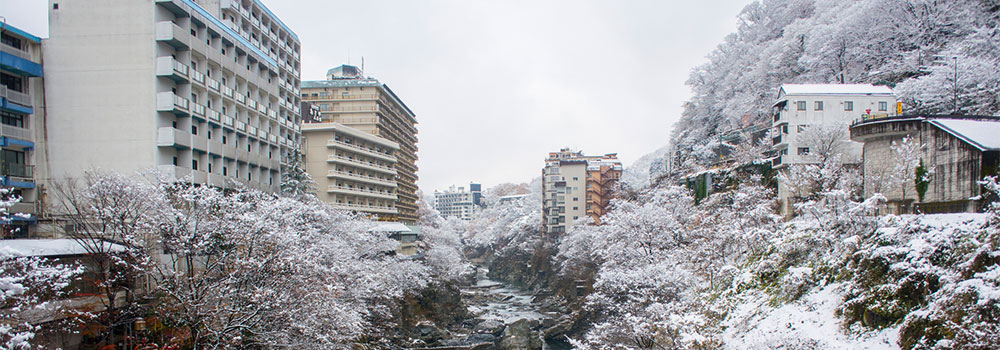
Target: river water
493,300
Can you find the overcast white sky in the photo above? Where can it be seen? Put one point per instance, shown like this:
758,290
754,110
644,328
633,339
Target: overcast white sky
498,84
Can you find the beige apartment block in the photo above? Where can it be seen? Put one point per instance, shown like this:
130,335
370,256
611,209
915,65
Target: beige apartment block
354,170
577,186
363,103
204,90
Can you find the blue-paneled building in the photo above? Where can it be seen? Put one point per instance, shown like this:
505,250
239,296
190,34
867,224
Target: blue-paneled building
20,91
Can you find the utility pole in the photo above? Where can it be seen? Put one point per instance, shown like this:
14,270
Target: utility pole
956,85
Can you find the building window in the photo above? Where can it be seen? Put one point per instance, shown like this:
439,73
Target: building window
13,119
223,139
575,199
194,130
818,106
800,105
225,171
194,164
848,106
209,167
175,161
883,106
801,128
803,151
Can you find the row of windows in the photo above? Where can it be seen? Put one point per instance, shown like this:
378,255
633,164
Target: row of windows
848,106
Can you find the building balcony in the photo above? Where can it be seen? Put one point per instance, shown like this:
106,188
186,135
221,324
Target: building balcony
168,67
241,98
360,164
170,33
230,5
24,208
170,137
228,121
17,175
198,77
15,101
16,132
19,61
360,192
359,178
365,151
776,161
198,109
214,115
776,140
365,208
199,142
227,91
218,180
170,102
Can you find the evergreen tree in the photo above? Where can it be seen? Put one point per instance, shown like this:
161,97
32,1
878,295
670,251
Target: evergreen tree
295,180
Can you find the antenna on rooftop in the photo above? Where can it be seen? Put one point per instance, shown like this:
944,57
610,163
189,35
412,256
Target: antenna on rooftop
362,65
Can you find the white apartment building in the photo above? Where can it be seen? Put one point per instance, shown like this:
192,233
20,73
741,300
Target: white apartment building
800,106
199,89
457,202
354,170
23,123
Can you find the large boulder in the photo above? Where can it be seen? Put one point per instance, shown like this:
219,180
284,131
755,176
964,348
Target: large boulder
492,327
521,335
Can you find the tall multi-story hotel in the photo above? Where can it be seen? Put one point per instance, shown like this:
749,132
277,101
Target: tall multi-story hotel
350,99
21,106
801,106
575,186
457,202
199,89
354,170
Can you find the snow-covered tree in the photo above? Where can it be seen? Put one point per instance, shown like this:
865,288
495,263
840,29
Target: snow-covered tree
295,180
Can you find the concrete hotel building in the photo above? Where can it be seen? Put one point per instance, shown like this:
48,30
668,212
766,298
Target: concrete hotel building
574,186
459,203
800,106
353,170
21,106
200,88
350,99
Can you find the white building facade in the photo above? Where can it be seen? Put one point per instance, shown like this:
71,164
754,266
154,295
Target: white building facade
198,89
801,106
457,202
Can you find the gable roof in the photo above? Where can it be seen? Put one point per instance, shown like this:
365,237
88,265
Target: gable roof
982,134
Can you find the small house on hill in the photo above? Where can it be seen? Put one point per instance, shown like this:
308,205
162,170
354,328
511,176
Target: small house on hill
956,152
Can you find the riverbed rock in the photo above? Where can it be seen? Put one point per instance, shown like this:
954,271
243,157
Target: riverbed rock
521,335
561,327
492,327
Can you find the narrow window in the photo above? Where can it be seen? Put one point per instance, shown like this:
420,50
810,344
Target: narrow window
800,105
848,106
803,151
818,106
883,106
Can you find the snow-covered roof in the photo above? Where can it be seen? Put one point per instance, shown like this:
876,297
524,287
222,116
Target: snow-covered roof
983,134
390,227
47,247
833,89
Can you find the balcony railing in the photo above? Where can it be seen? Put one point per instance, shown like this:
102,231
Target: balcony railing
198,109
15,96
241,98
362,149
355,162
213,115
17,170
15,51
356,190
227,91
213,84
197,76
16,132
359,177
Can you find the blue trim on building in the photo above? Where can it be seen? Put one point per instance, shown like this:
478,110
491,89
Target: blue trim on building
8,219
7,182
275,18
9,141
21,33
230,31
19,65
16,108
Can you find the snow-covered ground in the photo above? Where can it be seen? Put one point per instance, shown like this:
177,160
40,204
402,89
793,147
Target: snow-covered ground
809,321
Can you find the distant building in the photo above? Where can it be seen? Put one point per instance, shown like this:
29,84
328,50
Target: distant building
800,106
353,170
349,98
576,186
22,110
459,203
958,151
